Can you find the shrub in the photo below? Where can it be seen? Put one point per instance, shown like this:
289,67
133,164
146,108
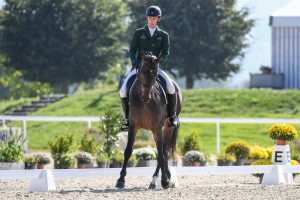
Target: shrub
30,159
240,149
62,144
145,153
282,132
88,144
224,158
195,156
10,151
191,143
102,158
84,158
257,152
133,160
118,157
42,159
65,161
109,129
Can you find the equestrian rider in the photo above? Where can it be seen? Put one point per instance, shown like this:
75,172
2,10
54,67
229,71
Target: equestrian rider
150,39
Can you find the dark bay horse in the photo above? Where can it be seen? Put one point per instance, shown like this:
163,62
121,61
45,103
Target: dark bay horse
148,110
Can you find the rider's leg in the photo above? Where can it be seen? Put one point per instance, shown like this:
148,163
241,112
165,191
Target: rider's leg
124,100
171,95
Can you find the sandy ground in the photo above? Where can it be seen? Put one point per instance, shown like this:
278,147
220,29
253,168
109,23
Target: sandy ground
191,187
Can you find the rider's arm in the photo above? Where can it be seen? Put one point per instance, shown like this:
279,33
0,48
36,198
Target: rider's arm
165,49
133,50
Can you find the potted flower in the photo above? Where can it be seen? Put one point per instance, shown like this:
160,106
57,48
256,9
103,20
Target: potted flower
195,158
256,153
30,161
146,157
225,159
240,150
83,159
64,161
282,133
42,160
269,162
102,160
11,155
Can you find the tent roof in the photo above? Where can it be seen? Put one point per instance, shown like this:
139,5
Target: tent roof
288,15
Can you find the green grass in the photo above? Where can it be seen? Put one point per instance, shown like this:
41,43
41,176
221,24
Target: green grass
197,103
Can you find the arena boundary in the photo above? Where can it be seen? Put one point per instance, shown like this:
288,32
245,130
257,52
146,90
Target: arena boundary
44,180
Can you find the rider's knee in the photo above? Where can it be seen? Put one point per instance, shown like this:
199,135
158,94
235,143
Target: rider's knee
123,92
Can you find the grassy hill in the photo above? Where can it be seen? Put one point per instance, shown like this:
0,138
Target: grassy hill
197,103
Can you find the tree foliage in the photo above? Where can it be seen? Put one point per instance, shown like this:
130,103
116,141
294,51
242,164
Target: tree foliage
207,36
55,41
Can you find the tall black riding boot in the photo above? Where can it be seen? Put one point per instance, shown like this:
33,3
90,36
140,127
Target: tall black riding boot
173,122
125,106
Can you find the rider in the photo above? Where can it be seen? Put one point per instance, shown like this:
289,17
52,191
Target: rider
150,39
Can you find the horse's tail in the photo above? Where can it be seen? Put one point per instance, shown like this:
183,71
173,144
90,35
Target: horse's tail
172,143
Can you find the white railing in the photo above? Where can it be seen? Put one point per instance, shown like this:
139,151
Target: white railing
89,120
43,180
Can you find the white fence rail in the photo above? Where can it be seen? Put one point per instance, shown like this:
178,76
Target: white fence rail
89,120
43,180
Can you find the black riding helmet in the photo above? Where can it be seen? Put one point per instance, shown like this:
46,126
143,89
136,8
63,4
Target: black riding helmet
153,11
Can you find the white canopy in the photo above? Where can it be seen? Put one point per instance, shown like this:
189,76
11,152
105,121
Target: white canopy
288,15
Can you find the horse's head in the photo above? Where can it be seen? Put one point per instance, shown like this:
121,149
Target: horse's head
147,75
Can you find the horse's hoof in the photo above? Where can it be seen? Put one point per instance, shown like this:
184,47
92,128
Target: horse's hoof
152,186
120,185
169,185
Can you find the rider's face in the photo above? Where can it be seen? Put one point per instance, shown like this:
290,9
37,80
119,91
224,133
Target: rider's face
152,21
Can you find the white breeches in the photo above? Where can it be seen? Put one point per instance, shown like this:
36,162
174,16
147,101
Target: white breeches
169,83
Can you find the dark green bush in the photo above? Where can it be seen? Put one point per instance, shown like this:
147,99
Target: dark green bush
191,143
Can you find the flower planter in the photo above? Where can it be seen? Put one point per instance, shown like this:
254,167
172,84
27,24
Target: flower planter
115,165
30,165
224,163
239,162
195,164
12,165
40,166
281,142
80,165
102,164
147,163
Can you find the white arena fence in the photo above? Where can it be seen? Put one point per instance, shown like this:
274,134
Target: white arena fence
44,180
89,120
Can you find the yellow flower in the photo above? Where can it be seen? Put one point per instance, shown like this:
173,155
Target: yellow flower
282,132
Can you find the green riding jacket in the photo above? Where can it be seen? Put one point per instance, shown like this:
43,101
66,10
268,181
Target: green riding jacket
158,44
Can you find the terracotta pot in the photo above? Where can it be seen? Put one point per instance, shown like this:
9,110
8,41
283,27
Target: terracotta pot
40,166
281,142
195,164
80,165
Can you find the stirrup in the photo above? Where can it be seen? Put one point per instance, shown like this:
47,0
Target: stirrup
124,125
173,122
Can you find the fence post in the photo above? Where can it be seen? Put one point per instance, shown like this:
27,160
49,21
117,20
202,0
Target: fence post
89,124
218,137
25,135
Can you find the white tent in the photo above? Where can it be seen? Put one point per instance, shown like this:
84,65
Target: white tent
285,24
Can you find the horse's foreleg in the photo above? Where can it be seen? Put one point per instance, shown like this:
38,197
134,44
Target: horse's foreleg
154,178
127,153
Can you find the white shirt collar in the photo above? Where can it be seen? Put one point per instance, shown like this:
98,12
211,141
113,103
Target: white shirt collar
152,30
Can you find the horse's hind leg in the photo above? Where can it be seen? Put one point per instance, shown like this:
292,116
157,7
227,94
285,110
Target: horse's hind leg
127,153
153,184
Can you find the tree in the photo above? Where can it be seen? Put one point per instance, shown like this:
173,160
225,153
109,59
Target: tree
207,36
62,42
